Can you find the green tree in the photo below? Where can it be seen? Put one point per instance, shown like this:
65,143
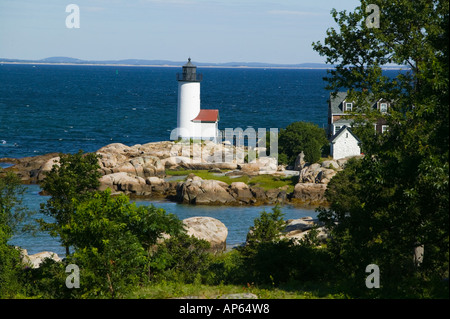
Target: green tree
74,178
267,258
364,130
396,198
302,136
12,216
182,258
113,241
266,229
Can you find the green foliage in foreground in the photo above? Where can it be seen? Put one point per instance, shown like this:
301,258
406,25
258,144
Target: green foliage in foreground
396,199
75,177
12,214
117,250
113,241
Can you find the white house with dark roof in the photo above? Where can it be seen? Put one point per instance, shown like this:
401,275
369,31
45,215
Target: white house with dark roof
344,144
193,122
340,110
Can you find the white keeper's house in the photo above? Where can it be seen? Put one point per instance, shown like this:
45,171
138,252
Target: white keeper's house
343,142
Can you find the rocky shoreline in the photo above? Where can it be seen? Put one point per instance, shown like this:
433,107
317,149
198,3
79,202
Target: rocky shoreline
140,171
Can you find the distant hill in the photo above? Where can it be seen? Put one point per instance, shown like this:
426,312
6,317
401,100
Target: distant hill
142,62
59,60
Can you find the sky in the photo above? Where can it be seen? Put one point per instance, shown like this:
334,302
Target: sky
216,31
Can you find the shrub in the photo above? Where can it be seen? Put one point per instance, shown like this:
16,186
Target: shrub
74,178
12,214
181,258
268,259
302,136
113,239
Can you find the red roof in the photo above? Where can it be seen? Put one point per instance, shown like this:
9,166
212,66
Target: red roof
207,116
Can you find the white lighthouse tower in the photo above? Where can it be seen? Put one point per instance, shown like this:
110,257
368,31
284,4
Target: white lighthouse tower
188,100
192,122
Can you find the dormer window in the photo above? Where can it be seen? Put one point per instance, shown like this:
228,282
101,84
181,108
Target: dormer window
348,106
383,107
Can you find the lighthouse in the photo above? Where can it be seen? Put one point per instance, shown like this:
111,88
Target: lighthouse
192,121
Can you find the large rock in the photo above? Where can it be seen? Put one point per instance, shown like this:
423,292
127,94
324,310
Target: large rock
309,173
209,229
241,192
330,164
213,192
205,192
34,261
148,166
140,160
141,166
174,161
159,187
325,175
261,165
47,167
298,236
298,229
112,156
299,162
259,194
276,196
125,183
266,164
309,193
158,149
250,168
118,148
28,169
301,224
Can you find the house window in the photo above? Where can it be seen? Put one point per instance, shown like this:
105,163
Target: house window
383,107
384,128
348,106
336,129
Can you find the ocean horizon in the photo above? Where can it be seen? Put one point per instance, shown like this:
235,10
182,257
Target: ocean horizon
64,108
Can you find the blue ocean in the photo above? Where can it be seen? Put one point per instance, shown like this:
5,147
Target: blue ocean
65,108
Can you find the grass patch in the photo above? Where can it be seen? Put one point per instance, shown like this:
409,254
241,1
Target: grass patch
269,182
204,174
170,289
264,181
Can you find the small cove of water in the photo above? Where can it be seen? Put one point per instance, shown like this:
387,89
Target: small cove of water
238,220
